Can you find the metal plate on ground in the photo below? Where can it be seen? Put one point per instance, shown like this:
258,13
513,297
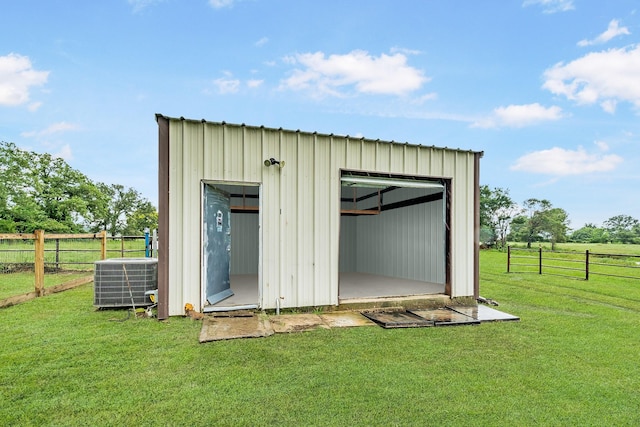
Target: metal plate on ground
397,319
445,317
484,313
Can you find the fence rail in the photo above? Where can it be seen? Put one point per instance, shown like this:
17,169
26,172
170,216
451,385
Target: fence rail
577,265
55,253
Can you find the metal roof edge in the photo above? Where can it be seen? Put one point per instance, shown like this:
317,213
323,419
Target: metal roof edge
223,123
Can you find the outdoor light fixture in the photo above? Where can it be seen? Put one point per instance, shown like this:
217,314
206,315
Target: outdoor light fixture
273,161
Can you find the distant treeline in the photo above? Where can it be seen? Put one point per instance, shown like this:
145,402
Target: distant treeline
40,191
537,220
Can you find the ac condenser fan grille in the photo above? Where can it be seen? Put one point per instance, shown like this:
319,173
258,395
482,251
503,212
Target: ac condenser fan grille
113,277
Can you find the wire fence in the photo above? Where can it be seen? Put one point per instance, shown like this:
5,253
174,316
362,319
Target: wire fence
33,265
68,252
577,265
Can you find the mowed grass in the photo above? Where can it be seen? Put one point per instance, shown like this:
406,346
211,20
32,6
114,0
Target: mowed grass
82,252
571,360
13,284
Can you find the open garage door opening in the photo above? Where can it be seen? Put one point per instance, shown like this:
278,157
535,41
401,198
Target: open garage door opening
393,236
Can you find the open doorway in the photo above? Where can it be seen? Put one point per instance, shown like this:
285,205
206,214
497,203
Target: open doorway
393,236
230,246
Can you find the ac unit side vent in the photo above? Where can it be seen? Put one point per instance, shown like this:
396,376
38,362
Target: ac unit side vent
113,277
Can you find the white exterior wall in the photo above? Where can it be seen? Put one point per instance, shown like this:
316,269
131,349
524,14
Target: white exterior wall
299,204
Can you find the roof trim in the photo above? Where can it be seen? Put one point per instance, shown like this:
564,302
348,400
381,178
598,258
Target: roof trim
223,123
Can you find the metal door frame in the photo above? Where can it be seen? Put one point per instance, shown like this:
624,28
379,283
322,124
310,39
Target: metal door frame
203,182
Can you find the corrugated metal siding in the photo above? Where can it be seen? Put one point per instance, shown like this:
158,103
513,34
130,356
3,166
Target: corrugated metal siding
406,243
244,247
462,227
300,204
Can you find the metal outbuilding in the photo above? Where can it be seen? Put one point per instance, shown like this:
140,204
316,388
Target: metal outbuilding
256,217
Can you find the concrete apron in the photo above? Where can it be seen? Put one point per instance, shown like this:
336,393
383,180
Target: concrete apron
262,325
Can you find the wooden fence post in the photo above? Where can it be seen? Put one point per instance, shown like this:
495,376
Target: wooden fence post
39,262
508,259
103,244
57,254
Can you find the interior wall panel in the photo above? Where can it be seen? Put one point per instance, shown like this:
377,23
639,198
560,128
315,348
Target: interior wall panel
406,243
244,243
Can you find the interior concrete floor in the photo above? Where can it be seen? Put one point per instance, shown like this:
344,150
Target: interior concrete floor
351,286
363,285
245,292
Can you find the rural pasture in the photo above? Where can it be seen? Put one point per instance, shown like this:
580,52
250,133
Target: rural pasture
572,359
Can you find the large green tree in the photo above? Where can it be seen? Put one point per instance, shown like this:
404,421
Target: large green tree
497,210
122,211
590,233
144,217
623,229
555,222
540,221
40,191
534,224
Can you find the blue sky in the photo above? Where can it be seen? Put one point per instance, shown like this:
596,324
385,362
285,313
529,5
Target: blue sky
548,89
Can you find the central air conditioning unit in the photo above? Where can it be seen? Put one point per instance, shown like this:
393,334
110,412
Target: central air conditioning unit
112,279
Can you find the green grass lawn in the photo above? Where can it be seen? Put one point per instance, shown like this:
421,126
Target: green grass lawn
571,360
13,284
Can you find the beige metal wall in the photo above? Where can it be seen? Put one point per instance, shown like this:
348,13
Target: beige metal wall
299,204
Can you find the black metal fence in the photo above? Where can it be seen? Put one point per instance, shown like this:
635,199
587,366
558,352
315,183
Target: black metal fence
577,265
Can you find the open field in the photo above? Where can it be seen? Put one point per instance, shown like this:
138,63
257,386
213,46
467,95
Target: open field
571,360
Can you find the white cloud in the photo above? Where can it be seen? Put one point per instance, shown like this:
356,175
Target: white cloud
230,84
262,41
227,85
64,153
50,130
519,116
385,74
424,98
139,5
614,30
607,77
220,4
17,77
404,50
551,6
34,106
558,161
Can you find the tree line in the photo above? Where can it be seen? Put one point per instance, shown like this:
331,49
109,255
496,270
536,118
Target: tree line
537,220
40,191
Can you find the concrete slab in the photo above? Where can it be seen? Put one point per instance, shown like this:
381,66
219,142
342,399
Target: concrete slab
226,328
297,323
249,325
345,319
